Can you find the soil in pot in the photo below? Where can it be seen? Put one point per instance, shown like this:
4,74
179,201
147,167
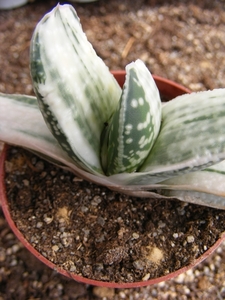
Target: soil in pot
100,234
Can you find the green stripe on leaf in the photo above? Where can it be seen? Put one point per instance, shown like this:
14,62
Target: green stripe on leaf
192,134
75,89
133,128
24,126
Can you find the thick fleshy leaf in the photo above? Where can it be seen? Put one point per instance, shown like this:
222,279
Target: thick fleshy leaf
135,125
75,89
209,180
31,132
192,135
22,124
205,187
199,198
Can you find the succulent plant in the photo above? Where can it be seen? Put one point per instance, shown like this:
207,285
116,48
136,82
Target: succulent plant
124,138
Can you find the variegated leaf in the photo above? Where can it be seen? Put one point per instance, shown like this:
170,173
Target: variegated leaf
22,124
199,198
209,180
75,89
192,135
191,138
205,187
134,126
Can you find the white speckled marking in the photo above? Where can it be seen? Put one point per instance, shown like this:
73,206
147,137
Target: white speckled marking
134,103
141,101
129,141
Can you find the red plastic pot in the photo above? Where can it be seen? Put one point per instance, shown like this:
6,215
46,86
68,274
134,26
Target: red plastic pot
169,90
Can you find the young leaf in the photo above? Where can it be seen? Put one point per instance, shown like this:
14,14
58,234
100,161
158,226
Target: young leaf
134,126
75,90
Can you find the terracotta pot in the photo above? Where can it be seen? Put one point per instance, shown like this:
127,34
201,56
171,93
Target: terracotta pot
168,89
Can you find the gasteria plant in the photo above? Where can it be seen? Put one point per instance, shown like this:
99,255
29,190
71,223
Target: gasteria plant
124,139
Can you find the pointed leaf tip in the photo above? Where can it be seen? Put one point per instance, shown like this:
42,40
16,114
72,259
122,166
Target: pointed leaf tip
135,124
75,99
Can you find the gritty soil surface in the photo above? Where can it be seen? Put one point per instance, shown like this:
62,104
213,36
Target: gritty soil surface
100,234
181,40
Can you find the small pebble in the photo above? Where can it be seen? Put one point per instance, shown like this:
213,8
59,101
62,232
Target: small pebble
39,224
26,182
48,219
15,248
146,277
96,200
139,264
55,248
190,239
13,263
135,236
104,292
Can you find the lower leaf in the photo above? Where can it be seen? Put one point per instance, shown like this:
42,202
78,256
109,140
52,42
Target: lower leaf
204,187
199,198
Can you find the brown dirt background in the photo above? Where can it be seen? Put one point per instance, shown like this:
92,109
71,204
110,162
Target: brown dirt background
181,40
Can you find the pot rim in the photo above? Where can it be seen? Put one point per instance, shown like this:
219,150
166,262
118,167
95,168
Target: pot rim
5,207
